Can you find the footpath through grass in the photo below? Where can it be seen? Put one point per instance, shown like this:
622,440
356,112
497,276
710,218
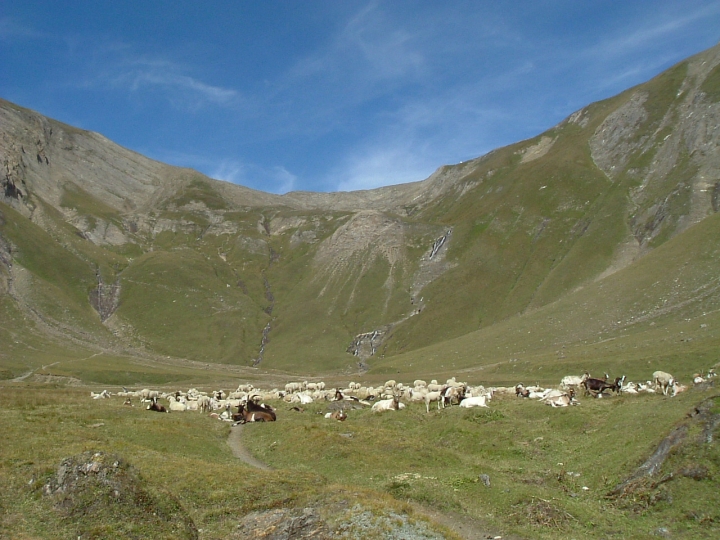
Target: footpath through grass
520,467
186,473
549,470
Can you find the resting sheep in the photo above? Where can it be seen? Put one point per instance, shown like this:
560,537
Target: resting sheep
339,415
388,405
563,400
476,401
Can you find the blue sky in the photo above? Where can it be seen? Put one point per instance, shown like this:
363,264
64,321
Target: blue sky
333,95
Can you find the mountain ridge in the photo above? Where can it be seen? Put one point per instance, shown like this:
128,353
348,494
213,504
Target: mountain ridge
165,260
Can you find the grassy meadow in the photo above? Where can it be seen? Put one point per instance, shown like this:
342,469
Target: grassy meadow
183,459
550,471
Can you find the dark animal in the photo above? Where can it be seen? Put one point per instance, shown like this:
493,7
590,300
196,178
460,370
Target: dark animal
453,394
253,406
155,406
243,416
521,391
595,387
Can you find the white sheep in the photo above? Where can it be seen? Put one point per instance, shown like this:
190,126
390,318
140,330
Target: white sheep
550,394
149,395
476,401
664,381
434,396
563,400
204,404
393,404
573,381
176,405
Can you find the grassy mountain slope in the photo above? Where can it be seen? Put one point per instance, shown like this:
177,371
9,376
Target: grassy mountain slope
588,232
663,310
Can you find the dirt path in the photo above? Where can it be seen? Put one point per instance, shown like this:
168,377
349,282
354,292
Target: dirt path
242,453
463,526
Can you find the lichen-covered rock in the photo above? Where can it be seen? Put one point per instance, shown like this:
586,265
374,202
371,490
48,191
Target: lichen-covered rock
105,497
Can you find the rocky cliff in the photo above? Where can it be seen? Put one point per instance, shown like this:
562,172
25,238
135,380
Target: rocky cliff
132,253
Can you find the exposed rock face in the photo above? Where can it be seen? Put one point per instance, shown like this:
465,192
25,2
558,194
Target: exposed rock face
283,524
684,144
95,488
105,298
5,263
537,151
613,142
43,151
365,345
334,522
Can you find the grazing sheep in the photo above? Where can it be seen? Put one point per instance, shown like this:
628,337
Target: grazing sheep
148,395
204,404
417,394
434,396
573,381
664,381
293,387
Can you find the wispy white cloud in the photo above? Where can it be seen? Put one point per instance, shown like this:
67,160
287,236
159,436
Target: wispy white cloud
167,77
380,166
652,30
274,179
366,56
138,74
229,170
389,51
271,179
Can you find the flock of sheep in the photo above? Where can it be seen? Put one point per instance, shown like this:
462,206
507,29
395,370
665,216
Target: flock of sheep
392,395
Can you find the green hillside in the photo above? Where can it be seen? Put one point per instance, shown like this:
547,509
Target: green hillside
588,245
